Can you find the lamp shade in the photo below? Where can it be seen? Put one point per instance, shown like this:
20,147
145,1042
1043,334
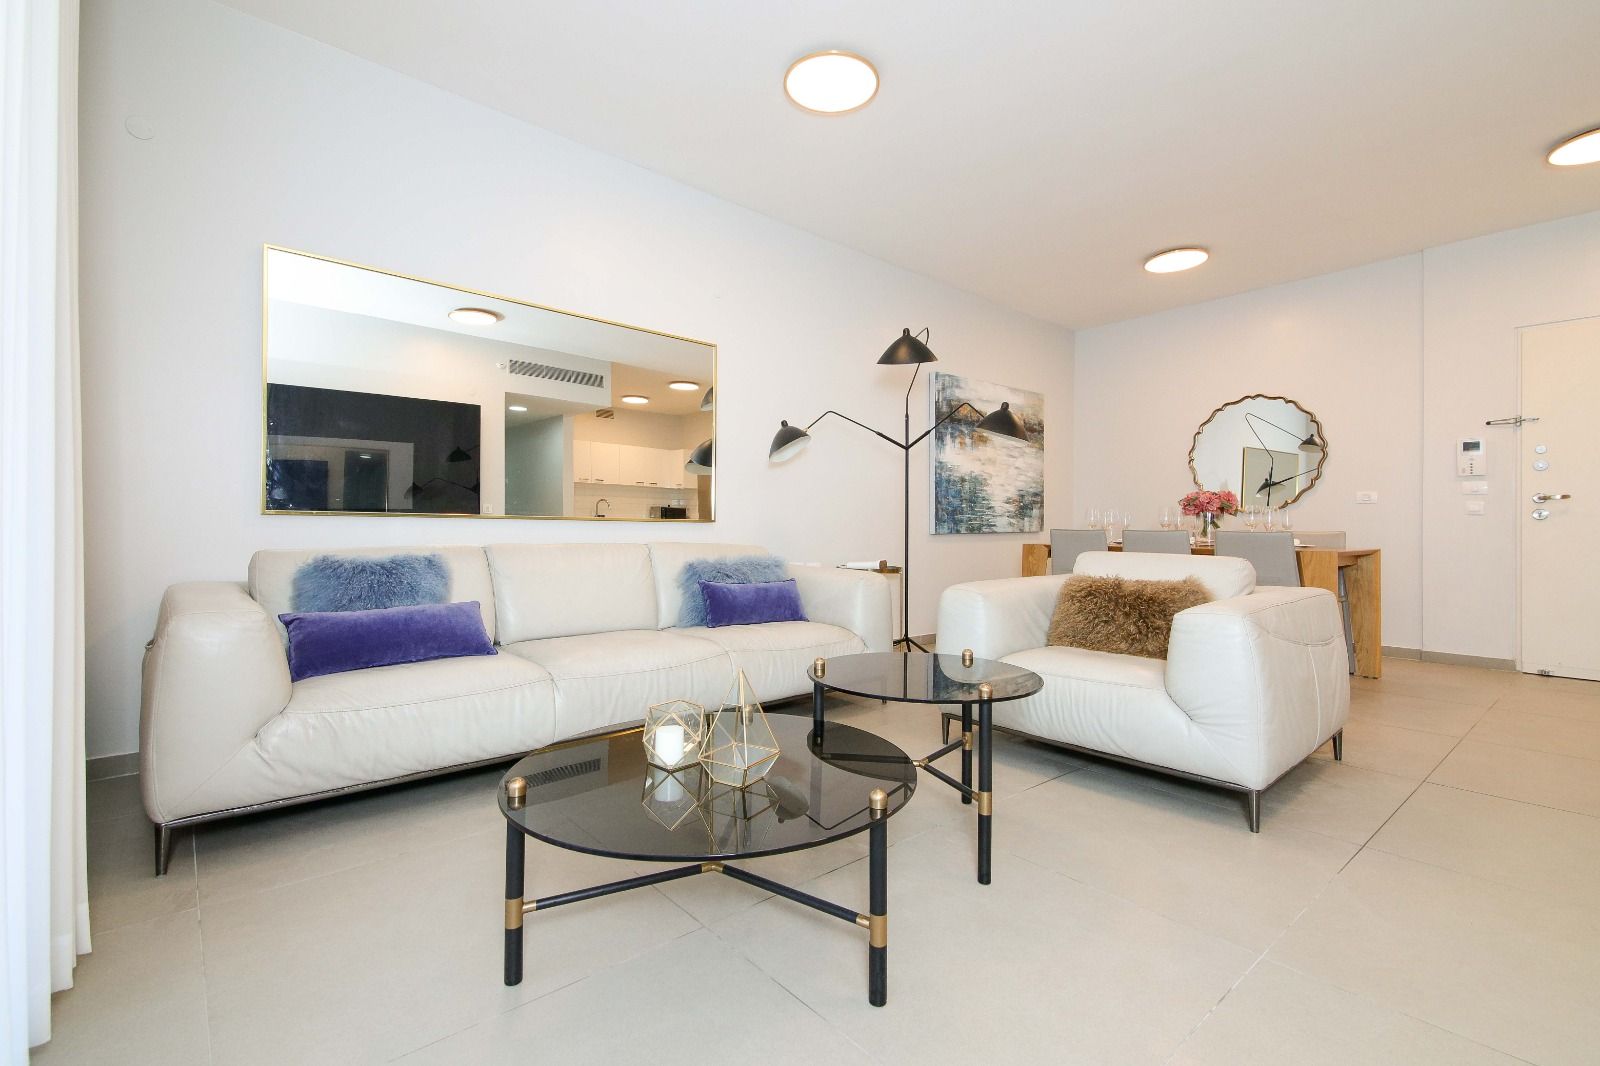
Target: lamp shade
700,459
1311,443
907,349
1004,422
708,400
458,454
787,442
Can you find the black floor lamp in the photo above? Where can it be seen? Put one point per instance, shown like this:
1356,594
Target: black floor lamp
789,441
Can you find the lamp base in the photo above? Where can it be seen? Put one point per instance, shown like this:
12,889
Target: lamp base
906,640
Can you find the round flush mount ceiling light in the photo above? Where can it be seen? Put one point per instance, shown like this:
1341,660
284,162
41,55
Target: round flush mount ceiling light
517,407
683,386
1577,151
475,316
831,82
1175,259
636,399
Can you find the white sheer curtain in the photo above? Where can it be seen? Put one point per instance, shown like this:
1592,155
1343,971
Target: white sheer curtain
43,879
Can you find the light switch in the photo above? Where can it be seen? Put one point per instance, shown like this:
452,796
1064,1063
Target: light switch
1474,488
1475,507
1366,497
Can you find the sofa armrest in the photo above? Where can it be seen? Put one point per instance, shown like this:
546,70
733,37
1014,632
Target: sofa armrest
1264,676
214,674
998,617
857,600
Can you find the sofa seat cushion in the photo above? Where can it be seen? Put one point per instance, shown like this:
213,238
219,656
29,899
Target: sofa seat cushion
388,721
606,679
1117,704
776,655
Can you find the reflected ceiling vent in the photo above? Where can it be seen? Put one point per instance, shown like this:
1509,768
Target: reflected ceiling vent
523,368
606,412
563,773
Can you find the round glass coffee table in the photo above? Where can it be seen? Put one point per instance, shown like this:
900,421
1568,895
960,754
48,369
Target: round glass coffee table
598,795
929,677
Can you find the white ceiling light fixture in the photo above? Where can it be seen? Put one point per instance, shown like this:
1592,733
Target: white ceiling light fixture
683,386
517,407
636,399
475,316
1175,259
1577,151
831,82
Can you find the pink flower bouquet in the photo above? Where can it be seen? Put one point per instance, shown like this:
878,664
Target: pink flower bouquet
1211,504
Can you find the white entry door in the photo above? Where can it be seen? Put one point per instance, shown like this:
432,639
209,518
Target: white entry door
1558,499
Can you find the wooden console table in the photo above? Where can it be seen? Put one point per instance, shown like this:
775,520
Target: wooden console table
1319,568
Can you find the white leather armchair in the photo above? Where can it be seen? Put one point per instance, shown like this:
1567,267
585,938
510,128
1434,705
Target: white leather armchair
1254,681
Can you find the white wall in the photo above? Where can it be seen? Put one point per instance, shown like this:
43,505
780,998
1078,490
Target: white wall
1398,359
262,136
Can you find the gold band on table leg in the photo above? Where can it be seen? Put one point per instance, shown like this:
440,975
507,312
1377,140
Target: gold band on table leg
514,913
985,691
820,667
711,867
878,930
966,740
985,801
878,801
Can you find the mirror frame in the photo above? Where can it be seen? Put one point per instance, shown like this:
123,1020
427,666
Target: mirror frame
268,249
1316,474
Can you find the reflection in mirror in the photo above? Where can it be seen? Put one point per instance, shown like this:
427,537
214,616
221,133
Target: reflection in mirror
390,395
1269,450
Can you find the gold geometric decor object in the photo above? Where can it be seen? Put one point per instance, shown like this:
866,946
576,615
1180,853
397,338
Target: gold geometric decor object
739,747
673,734
673,797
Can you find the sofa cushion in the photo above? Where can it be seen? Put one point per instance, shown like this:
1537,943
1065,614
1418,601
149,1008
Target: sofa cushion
667,559
332,642
775,655
1121,615
272,575
562,590
604,679
370,583
1222,576
751,603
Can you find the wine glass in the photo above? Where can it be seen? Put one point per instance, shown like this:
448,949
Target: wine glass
1092,518
1167,521
1127,520
1284,522
1267,519
1252,515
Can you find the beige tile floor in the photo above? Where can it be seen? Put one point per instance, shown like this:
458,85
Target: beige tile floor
1433,899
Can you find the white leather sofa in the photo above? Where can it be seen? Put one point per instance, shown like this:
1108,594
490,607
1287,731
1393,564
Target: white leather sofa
1253,682
587,637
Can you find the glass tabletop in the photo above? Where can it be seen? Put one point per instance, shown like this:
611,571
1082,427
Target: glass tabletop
600,796
925,677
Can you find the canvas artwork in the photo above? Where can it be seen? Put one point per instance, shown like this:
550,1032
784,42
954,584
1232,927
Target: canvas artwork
983,482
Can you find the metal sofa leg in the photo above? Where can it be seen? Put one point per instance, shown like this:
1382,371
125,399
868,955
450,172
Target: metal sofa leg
1338,746
1254,796
163,847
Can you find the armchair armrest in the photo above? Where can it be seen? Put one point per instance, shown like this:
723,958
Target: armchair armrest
998,617
857,600
214,674
1264,676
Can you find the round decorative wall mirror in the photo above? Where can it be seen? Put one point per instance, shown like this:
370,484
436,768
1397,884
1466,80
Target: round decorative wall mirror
1268,449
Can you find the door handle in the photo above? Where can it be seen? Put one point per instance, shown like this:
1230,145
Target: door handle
1546,497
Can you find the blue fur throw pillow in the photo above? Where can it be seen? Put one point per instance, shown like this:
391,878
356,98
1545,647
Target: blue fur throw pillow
727,570
369,582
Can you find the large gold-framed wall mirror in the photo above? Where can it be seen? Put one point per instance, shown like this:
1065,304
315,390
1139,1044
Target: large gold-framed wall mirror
388,394
1268,449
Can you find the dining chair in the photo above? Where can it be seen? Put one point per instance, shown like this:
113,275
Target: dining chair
1272,554
1307,539
1163,541
1067,544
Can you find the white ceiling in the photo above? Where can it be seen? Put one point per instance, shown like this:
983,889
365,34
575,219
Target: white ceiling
1036,152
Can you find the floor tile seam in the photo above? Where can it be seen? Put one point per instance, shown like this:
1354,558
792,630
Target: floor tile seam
1539,893
497,1014
1471,704
1512,799
205,971
1215,1006
1385,1004
1397,809
1524,747
1359,716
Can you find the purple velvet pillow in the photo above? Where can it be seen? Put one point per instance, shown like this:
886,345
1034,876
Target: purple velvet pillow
751,603
332,642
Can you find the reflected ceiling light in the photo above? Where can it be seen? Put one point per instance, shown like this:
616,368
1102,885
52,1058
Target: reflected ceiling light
1577,151
683,386
517,407
475,316
1175,259
636,399
831,82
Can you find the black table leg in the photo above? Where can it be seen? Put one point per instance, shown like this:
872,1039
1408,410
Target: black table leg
985,784
878,909
966,749
816,712
516,844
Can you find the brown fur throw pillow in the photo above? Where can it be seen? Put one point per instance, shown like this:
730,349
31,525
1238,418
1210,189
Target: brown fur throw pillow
1120,614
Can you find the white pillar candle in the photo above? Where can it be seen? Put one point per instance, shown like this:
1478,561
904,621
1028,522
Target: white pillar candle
669,744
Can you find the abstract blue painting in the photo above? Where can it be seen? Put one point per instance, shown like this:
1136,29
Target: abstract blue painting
985,482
